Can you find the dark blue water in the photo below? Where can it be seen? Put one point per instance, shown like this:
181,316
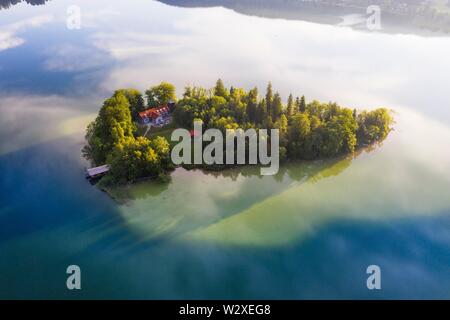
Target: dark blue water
52,218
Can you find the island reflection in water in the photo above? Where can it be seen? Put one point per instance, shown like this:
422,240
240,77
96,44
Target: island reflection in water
300,196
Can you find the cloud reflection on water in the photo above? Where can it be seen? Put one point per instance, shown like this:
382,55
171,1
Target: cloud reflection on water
296,249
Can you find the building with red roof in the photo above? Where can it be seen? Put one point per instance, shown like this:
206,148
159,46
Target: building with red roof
155,114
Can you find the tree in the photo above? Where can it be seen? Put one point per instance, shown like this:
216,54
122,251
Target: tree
223,124
296,105
135,100
252,105
277,106
373,126
261,112
161,94
290,106
112,127
269,98
302,106
315,108
161,146
339,133
237,105
220,90
140,157
298,133
282,124
268,122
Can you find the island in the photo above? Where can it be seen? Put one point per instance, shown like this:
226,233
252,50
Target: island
130,138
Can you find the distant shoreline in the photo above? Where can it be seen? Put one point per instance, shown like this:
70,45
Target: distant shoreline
426,20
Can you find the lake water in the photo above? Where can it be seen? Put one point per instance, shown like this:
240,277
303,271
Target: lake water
308,232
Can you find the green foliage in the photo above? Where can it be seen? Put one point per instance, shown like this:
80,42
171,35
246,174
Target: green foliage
277,106
252,105
135,99
297,105
220,90
110,139
323,131
302,104
269,98
373,126
307,131
197,104
137,158
282,124
111,127
298,133
290,106
162,148
223,124
161,94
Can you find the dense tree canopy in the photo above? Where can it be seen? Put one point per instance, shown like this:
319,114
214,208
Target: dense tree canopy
111,127
140,157
373,126
135,99
219,89
161,94
307,130
111,140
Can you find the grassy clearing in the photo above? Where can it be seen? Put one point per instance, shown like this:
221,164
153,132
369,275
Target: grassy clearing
165,132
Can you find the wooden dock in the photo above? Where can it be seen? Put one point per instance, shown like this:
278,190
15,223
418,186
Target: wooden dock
96,172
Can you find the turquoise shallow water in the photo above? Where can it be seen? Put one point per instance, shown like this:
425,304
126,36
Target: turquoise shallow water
308,232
